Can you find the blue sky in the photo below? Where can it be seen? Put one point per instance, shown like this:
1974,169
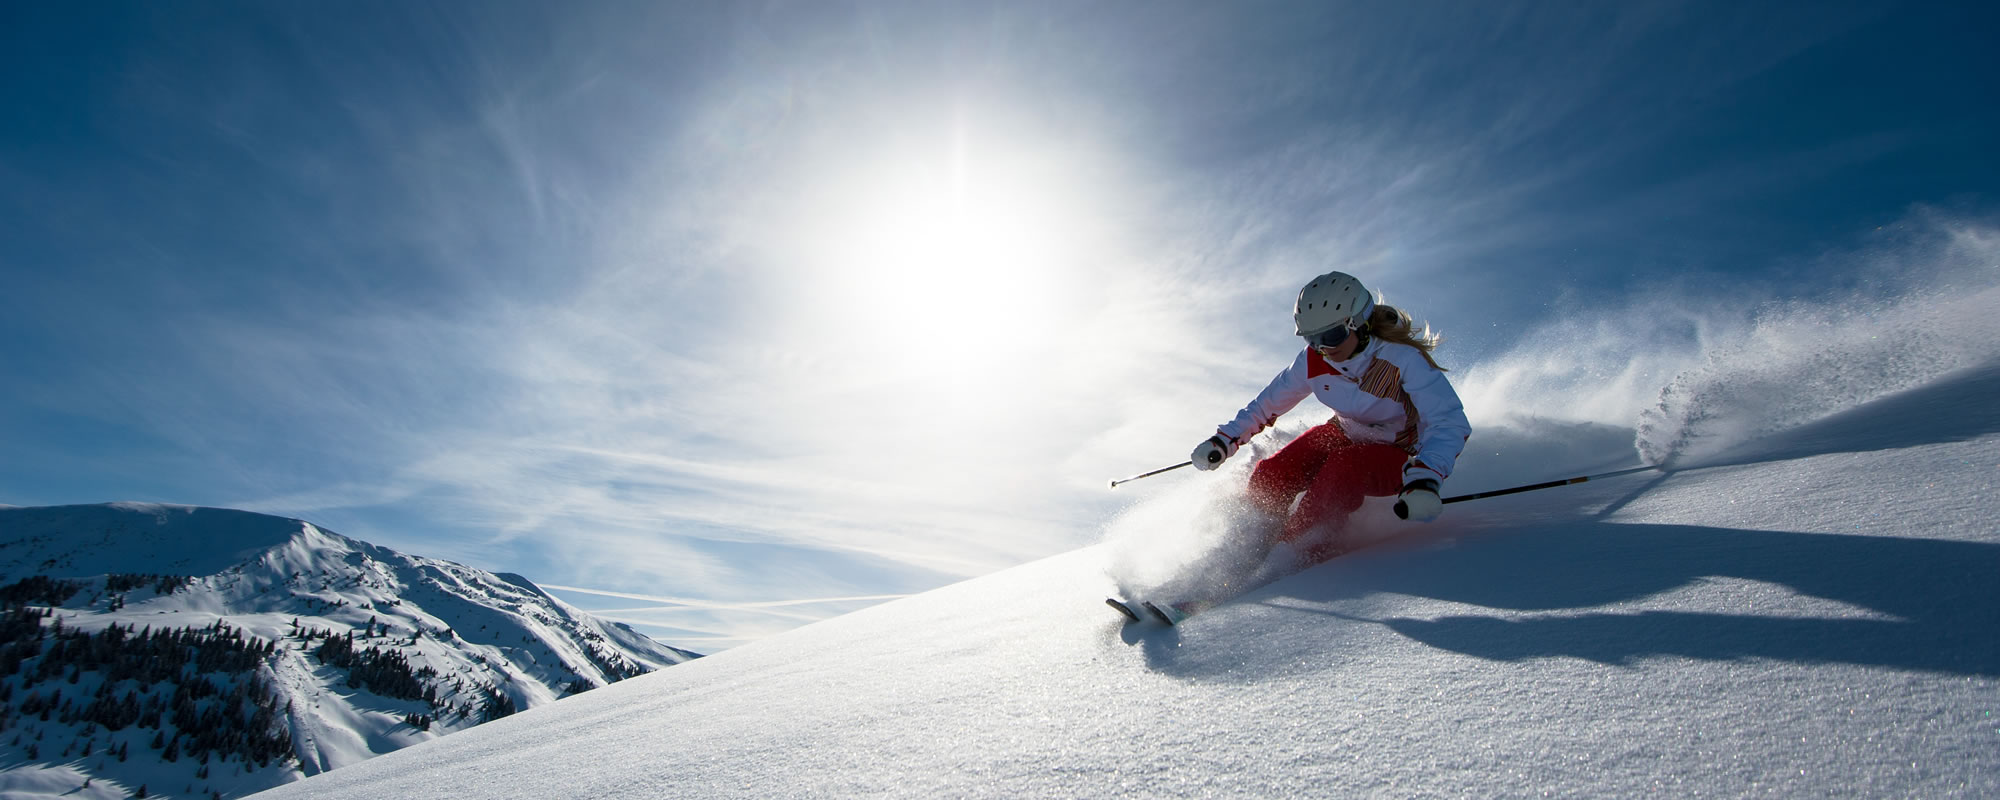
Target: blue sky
709,306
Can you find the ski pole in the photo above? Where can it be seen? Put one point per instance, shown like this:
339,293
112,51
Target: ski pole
1114,484
1545,485
1461,498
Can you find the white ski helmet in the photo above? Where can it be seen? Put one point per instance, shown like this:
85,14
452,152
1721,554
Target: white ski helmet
1330,300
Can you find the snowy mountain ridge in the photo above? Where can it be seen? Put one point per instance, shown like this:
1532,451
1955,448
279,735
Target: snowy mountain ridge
366,650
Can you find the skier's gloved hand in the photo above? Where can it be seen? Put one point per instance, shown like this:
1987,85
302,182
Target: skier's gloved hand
1210,454
1420,501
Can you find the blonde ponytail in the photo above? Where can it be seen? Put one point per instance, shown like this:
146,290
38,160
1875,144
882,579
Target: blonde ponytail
1392,324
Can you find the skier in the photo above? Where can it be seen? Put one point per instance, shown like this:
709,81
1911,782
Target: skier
1397,427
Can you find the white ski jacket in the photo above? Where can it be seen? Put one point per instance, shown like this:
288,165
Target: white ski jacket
1386,394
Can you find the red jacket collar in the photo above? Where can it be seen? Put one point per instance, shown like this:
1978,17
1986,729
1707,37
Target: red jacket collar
1317,365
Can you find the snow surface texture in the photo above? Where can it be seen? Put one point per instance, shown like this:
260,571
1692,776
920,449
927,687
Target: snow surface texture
1811,614
480,631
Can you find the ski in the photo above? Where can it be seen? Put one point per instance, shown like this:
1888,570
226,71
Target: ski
1170,613
1147,610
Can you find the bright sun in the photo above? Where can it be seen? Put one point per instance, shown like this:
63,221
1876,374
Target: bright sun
929,254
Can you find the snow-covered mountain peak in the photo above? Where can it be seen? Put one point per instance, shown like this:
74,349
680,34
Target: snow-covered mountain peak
370,649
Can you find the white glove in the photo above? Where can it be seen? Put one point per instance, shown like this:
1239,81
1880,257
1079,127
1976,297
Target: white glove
1420,501
1210,454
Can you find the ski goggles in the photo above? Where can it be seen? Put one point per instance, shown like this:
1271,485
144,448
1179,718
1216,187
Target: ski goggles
1330,338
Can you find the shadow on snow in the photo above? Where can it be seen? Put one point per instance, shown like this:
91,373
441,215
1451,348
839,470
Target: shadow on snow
1936,596
1935,608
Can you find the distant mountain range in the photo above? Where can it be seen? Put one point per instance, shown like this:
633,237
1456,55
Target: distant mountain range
201,652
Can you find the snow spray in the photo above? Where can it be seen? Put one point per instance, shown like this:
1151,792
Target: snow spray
1695,371
1805,363
1190,542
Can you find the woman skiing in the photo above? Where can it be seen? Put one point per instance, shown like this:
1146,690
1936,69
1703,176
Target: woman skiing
1397,427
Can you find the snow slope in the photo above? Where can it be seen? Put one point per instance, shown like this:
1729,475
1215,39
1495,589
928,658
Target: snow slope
1813,614
272,578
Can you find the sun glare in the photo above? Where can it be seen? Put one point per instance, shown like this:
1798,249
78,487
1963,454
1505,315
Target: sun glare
931,254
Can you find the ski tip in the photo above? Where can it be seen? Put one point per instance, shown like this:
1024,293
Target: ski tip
1123,609
1167,615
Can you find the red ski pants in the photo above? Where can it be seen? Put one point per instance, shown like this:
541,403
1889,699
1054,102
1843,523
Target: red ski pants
1333,471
